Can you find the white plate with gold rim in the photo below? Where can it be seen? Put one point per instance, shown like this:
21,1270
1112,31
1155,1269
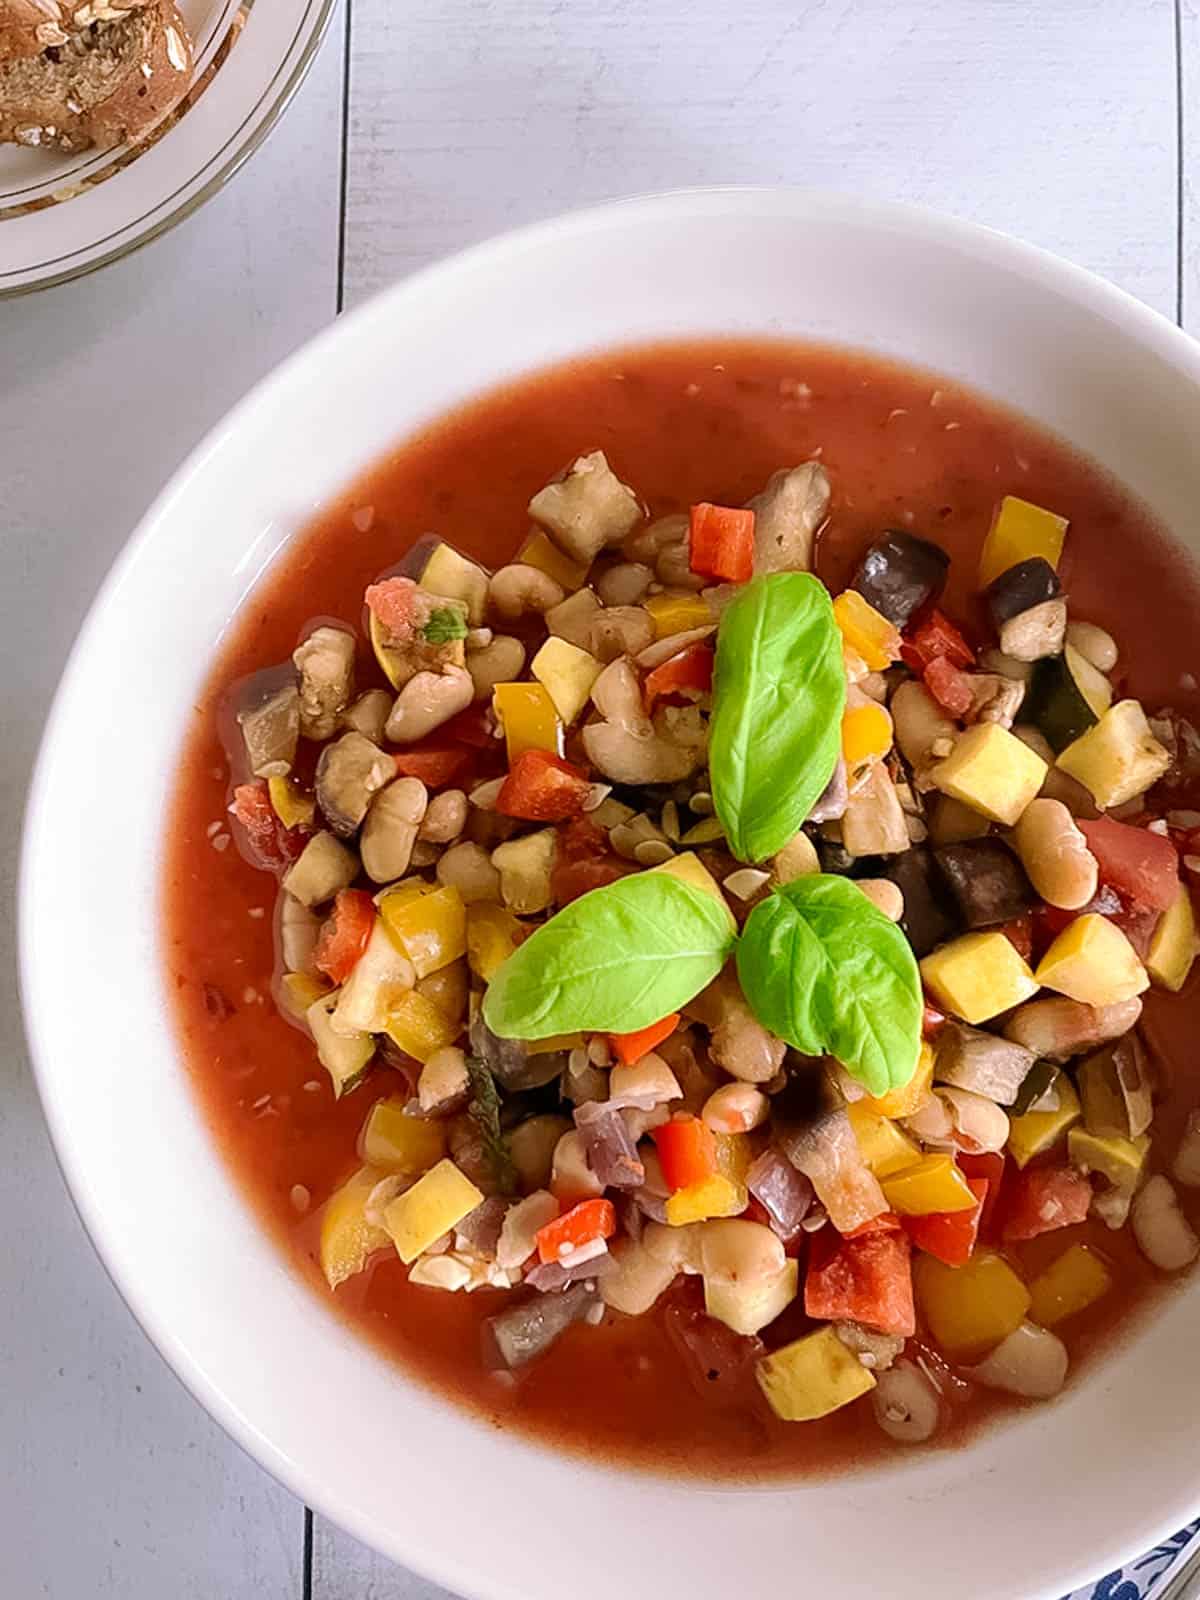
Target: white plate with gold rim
63,215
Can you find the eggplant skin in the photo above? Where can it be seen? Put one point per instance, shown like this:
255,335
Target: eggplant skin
1030,583
900,573
987,881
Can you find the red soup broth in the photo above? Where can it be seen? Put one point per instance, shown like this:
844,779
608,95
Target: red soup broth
680,423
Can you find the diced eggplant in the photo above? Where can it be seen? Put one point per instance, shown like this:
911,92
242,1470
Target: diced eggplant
552,1276
969,1058
511,1062
816,1136
987,881
833,856
479,1230
325,661
324,867
1115,1090
1037,1089
1066,697
270,731
611,1152
586,509
350,772
523,1331
930,917
1037,634
784,1191
900,573
1028,584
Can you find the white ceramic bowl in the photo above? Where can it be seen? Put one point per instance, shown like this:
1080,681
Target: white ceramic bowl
1035,1506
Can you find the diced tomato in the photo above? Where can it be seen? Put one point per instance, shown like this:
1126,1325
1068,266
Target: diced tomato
1136,922
866,1280
885,1222
932,635
1019,933
344,934
950,1235
435,764
542,787
690,669
949,686
989,1169
687,1151
931,1020
1041,1199
268,842
393,604
583,861
721,542
631,1047
472,727
1138,864
589,1220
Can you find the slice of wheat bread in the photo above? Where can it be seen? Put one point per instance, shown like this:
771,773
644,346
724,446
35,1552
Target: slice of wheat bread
111,83
27,27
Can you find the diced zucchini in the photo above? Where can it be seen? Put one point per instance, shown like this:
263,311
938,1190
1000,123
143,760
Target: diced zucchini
347,1238
1175,944
884,1147
453,577
1121,1161
1041,1078
345,1057
1119,758
972,1308
1038,1131
1114,1086
541,552
436,1203
293,807
1019,531
396,1142
991,771
1092,961
748,1308
430,929
811,1377
1069,1285
978,976
934,1185
323,867
1066,697
567,675
380,976
689,868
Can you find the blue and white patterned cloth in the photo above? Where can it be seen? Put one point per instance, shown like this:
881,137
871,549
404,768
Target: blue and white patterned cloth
1142,1579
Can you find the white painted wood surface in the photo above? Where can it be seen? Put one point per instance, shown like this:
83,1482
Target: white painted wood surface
1056,122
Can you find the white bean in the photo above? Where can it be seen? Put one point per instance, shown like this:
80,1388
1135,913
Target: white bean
1094,644
571,1178
1055,854
468,868
445,817
1165,1236
1031,1362
885,896
625,584
747,1254
517,589
907,1406
735,1108
499,661
428,700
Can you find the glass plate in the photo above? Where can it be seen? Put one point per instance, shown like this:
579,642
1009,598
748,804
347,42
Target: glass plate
61,216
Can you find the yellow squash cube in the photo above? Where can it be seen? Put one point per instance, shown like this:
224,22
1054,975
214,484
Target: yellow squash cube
1019,531
567,674
345,1056
933,1185
419,1027
748,1308
907,1100
436,1203
883,1146
397,1142
865,631
978,976
1069,1285
1122,1161
717,1196
493,933
1038,1131
453,577
1092,961
290,803
431,929
991,771
811,1377
528,717
347,1239
678,613
1175,945
973,1308
1117,759
541,552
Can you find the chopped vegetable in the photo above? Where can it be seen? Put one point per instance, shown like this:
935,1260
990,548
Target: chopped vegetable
1119,758
691,669
435,764
865,631
541,552
393,1141
972,1308
483,1107
1076,1280
1093,961
631,1047
866,1279
1035,1132
345,1056
452,576
969,1058
567,674
589,1220
493,933
542,787
1042,1199
293,807
1137,863
911,1096
987,881
991,771
381,977
345,935
1020,588
1020,531
900,574
1122,1162
677,613
528,717
430,928
933,1184
933,637
949,686
784,1193
347,1239
811,1377
525,1331
1175,943
687,1151
1066,697
437,1202
721,543
268,842
419,1027
1114,1086
866,737
885,1149
978,976
714,1196
748,1308
950,1236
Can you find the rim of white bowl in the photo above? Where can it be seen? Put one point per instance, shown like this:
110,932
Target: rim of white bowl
440,1565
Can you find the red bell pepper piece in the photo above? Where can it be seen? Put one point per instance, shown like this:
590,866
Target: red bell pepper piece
631,1047
344,934
1044,1198
1138,864
542,787
687,1151
721,542
268,842
590,1219
930,636
435,764
868,1280
690,669
989,1169
931,1020
472,727
949,686
950,1235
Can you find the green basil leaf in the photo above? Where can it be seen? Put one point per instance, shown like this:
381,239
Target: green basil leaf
445,625
779,688
483,1108
614,960
824,969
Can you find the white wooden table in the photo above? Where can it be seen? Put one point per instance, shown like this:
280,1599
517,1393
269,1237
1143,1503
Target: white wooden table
1058,121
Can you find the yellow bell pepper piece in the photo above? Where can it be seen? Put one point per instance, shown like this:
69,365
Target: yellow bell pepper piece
748,1308
978,976
567,674
883,1146
1020,530
1037,1131
990,770
540,551
677,613
865,631
291,805
866,736
435,1204
716,1196
418,1027
905,1102
933,1185
527,714
1175,945
811,1377
298,993
972,1308
1092,961
430,929
347,1238
1072,1283
396,1142
493,933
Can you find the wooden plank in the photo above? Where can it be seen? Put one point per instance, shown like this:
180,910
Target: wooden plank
1189,209
116,1484
1055,122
